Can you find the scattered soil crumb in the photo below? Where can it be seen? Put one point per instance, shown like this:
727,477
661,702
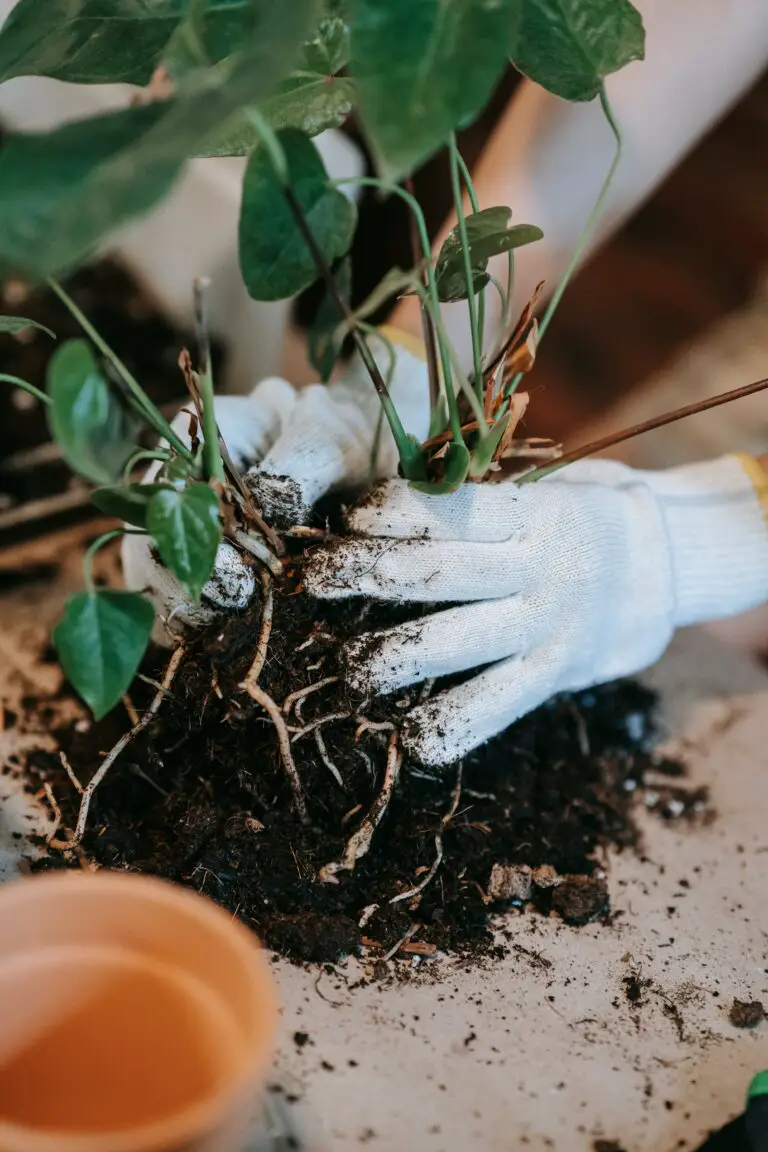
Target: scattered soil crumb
539,804
607,1146
746,1013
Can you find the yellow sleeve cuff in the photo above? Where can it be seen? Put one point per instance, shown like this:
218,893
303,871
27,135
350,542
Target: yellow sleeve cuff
758,477
408,342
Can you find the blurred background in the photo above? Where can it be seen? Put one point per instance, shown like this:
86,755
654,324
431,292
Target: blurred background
672,308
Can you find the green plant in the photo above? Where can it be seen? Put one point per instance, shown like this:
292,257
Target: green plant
260,78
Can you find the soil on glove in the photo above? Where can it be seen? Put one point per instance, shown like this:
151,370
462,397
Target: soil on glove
202,798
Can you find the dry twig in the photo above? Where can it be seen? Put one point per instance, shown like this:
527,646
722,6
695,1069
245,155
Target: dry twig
360,842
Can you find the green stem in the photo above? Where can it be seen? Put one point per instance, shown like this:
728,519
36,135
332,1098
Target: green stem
410,459
467,178
373,332
415,207
145,406
212,461
510,289
17,382
477,353
587,231
474,402
145,454
99,542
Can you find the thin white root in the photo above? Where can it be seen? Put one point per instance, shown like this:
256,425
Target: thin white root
304,532
51,837
429,877
262,646
319,723
252,544
406,939
297,698
70,771
323,751
267,703
315,636
373,726
366,914
122,744
360,842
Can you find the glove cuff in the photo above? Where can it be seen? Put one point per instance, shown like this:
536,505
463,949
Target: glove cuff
716,517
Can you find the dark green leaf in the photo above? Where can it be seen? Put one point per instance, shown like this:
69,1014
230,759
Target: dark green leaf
570,46
487,235
211,31
63,191
186,528
395,282
87,41
456,469
483,452
100,640
13,324
325,339
423,69
127,502
85,417
312,98
274,257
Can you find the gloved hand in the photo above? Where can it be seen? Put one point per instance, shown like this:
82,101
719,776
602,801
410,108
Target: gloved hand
577,579
293,448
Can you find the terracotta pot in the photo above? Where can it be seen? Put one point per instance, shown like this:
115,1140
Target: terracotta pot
135,1016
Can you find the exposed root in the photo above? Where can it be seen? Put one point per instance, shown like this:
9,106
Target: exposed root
256,548
429,877
316,635
267,703
87,792
360,842
403,941
373,726
297,698
70,771
329,719
254,672
323,751
51,837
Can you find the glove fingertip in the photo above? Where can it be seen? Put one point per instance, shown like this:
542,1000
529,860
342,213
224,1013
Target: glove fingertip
424,738
280,498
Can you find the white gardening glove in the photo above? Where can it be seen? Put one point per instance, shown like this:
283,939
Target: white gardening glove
562,584
327,444
293,448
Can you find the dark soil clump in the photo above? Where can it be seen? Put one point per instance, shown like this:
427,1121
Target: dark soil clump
746,1013
203,798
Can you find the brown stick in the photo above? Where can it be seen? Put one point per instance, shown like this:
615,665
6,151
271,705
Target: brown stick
646,426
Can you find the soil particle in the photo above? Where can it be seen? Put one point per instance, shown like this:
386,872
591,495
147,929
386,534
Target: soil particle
607,1146
746,1013
539,804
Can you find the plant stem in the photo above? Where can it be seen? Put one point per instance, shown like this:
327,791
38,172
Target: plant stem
91,551
145,406
404,446
17,382
646,426
458,201
427,327
212,461
421,224
586,232
145,454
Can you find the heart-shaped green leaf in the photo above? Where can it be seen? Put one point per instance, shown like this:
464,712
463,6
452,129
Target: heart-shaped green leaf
455,472
423,69
13,324
127,502
313,98
487,235
324,339
274,257
100,640
570,46
63,191
95,433
87,41
186,528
